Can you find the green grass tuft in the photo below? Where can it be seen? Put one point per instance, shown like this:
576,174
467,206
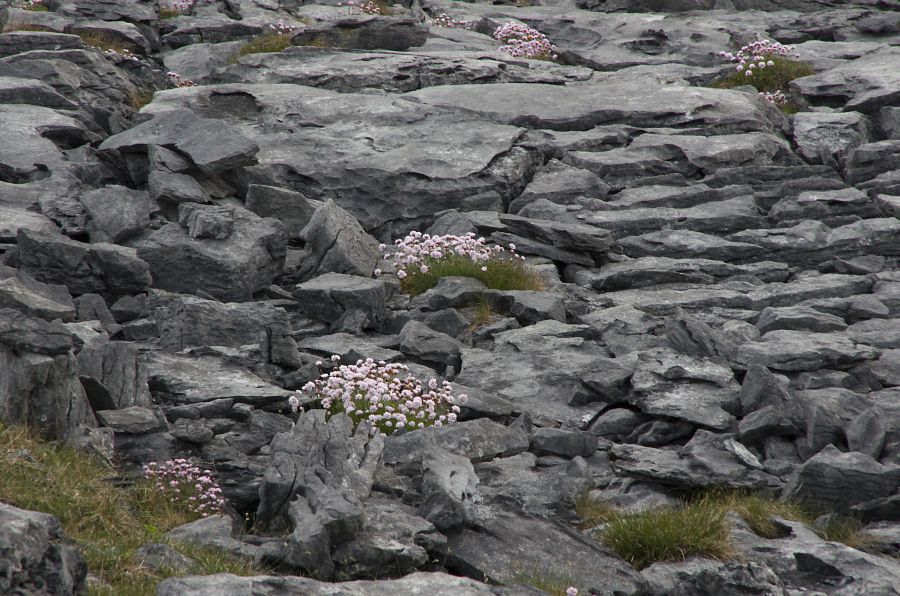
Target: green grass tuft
267,42
592,512
846,530
107,522
757,509
547,581
482,314
503,273
102,42
168,13
771,78
670,534
138,98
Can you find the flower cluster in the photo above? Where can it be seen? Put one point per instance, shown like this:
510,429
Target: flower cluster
179,6
384,394
417,251
34,6
183,482
522,41
367,7
445,20
176,80
282,28
777,98
123,55
758,55
571,591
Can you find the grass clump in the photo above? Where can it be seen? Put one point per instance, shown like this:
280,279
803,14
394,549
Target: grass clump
846,530
102,42
34,6
766,66
482,314
771,79
757,510
547,581
138,98
592,512
168,13
670,534
107,522
497,273
264,43
422,259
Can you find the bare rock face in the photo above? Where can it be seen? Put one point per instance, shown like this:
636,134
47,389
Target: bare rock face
35,555
226,255
41,386
271,585
337,244
842,480
315,487
102,268
365,33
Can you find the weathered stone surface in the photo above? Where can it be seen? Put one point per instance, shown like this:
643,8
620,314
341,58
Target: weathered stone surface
350,72
347,303
291,208
133,420
703,462
36,557
864,85
824,137
720,286
393,540
82,268
508,542
563,442
364,33
687,244
116,213
449,489
700,575
841,480
797,350
441,160
337,244
230,268
583,107
798,318
421,342
803,554
116,374
22,292
479,440
193,380
422,582
185,321
211,145
319,476
519,484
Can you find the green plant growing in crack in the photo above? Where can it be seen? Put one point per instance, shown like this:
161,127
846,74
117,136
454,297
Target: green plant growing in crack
108,522
420,260
769,67
277,38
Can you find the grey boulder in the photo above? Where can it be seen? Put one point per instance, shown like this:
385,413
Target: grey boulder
230,268
36,557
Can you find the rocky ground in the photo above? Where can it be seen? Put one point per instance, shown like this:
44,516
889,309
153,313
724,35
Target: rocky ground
722,304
